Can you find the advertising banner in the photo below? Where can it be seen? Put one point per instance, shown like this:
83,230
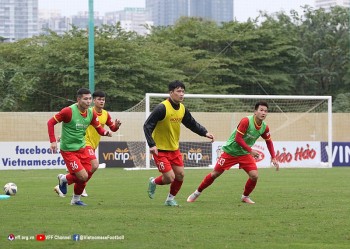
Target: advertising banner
131,154
29,155
37,155
195,154
298,154
340,153
122,154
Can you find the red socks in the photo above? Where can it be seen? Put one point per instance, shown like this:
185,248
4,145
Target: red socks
79,188
71,179
207,181
249,187
175,187
159,180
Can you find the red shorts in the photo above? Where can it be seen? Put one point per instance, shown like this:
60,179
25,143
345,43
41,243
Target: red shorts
91,152
226,161
77,160
166,159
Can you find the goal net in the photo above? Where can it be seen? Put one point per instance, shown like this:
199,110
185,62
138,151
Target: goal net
300,126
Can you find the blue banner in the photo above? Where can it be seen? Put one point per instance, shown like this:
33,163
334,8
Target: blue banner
340,153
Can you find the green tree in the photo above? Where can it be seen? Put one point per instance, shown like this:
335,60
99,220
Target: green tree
324,40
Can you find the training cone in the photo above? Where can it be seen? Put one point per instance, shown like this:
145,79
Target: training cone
4,197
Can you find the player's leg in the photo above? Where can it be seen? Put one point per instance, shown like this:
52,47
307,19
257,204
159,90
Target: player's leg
249,166
73,165
175,185
166,177
206,182
177,165
94,166
225,162
83,174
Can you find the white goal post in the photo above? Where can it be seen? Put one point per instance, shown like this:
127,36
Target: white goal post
300,127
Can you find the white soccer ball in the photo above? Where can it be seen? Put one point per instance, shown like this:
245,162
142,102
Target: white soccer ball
10,188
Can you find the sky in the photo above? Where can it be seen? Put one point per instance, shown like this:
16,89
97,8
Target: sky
243,9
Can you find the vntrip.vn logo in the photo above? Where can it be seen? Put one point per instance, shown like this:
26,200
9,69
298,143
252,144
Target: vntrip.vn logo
122,154
195,155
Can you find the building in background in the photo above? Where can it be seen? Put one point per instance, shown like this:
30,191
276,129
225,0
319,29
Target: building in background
328,4
167,12
130,19
18,19
21,19
215,10
52,20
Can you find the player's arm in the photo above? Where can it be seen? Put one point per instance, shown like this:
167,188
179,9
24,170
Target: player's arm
241,130
190,123
157,114
96,123
65,115
113,125
266,135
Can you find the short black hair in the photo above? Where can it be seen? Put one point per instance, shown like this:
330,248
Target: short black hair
100,94
263,103
176,84
82,91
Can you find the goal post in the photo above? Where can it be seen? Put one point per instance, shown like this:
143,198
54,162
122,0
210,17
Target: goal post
300,126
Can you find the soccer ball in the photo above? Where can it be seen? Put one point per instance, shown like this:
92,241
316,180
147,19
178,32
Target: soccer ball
10,188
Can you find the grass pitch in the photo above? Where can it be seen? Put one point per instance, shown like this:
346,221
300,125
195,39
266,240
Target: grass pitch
295,208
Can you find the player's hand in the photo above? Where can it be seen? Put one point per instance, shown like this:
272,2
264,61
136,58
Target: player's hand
210,136
117,123
108,133
275,163
154,150
53,147
255,154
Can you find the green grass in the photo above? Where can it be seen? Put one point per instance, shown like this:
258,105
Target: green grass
295,208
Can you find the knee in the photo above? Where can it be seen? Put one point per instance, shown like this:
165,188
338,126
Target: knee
94,166
167,179
83,177
254,178
180,176
215,174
